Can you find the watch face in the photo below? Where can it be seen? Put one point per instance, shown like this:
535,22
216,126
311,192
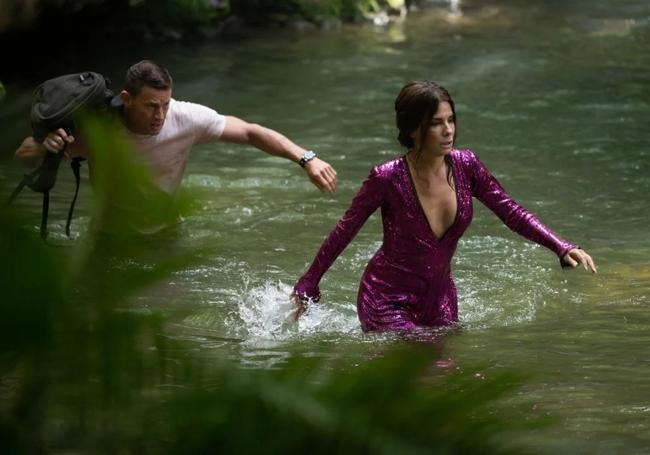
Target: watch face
309,155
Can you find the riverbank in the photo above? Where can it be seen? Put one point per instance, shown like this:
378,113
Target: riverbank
173,19
51,37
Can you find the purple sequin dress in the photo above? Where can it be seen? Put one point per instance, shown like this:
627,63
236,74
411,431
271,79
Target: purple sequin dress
407,283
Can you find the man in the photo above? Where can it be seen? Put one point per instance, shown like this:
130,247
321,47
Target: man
163,131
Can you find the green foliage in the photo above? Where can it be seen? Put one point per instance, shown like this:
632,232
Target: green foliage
84,371
126,200
174,19
370,7
160,14
2,91
393,404
73,358
31,295
261,10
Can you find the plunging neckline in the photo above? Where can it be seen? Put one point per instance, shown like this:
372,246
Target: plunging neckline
415,194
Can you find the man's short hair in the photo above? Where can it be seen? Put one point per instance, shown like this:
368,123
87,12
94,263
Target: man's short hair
147,73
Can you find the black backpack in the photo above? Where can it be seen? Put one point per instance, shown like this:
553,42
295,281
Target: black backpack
56,104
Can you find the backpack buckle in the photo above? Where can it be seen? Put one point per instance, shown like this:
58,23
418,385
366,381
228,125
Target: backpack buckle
86,78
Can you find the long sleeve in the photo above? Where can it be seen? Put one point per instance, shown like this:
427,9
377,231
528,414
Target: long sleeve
490,192
367,200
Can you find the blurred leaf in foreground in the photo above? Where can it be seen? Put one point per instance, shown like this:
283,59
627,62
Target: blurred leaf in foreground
393,404
127,201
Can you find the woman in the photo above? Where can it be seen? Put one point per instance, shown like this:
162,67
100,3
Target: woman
426,204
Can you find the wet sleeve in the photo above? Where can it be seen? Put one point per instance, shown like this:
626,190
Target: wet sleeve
367,200
488,190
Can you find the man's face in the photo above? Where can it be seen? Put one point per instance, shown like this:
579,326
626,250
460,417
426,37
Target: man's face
145,113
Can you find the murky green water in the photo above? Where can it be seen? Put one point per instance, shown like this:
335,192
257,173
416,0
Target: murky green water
555,99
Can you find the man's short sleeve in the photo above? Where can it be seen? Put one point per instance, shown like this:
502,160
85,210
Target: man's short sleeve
206,123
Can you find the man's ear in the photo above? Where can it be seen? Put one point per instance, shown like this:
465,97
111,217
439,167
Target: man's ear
125,97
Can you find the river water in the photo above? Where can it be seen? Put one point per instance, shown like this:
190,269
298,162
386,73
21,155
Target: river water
555,99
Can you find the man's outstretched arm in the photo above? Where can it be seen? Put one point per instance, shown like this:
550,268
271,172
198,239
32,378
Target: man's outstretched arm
238,131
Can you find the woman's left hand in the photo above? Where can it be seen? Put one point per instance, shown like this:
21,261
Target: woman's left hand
576,257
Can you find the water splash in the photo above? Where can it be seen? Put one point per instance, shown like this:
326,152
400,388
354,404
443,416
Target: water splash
265,312
454,8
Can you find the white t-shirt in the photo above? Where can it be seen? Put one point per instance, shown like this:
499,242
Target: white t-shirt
166,153
186,125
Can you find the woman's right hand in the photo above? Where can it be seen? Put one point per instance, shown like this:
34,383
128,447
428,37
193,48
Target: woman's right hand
299,307
303,292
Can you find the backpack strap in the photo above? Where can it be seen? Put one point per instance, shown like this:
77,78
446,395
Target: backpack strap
26,180
42,180
17,190
75,164
44,212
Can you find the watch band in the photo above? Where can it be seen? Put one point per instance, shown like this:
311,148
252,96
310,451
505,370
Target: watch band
307,157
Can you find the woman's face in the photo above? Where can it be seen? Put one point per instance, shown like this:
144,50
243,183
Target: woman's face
439,137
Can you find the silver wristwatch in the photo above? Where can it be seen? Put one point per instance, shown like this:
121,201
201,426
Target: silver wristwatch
308,156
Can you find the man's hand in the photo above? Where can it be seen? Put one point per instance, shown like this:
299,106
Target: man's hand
31,152
322,175
55,141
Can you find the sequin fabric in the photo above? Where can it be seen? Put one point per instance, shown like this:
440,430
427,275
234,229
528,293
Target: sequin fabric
408,284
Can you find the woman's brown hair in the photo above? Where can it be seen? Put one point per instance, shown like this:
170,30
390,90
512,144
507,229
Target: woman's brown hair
415,106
